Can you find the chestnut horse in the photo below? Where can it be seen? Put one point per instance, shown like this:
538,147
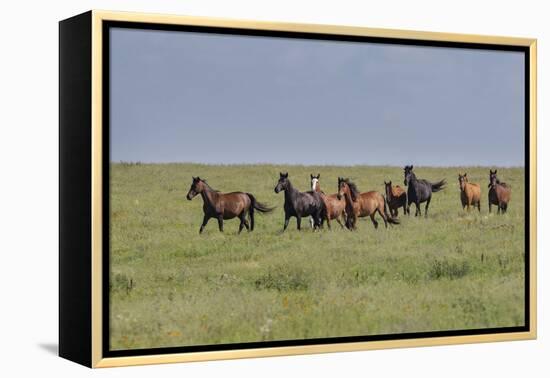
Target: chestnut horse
335,206
226,205
362,204
470,193
396,197
500,193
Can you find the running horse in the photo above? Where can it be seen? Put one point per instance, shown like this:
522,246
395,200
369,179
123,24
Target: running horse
224,206
335,206
362,204
500,193
419,190
300,204
396,197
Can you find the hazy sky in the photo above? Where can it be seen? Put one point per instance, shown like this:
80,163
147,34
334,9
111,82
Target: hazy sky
189,97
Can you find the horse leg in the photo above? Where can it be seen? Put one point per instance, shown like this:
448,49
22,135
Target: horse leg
489,206
204,222
311,222
220,222
243,223
299,222
327,218
418,211
287,218
348,222
479,206
427,205
381,212
374,220
339,220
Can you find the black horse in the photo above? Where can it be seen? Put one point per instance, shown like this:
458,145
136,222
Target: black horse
301,204
419,190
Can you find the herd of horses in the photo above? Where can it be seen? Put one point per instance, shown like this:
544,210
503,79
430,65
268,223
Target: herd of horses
345,206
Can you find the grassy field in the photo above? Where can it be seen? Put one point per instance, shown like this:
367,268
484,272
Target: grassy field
170,286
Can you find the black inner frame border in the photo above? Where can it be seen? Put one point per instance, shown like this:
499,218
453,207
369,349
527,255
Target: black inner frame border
107,25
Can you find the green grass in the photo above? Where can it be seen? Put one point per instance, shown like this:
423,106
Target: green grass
170,286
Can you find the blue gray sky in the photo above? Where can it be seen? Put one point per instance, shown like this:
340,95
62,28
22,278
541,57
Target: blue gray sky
209,98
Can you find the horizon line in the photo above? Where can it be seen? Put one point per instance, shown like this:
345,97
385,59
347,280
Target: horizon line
310,165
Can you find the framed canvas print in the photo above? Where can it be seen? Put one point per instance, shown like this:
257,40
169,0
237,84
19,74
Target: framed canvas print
235,189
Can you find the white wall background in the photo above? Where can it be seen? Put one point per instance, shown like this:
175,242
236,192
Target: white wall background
28,185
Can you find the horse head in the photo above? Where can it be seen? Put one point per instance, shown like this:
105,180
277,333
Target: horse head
462,180
315,185
283,182
341,190
388,189
493,179
345,186
197,186
408,173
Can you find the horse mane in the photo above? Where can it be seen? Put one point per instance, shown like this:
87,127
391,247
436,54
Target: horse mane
208,186
353,189
501,183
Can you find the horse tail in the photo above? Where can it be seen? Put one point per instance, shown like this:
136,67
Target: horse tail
256,205
436,187
391,220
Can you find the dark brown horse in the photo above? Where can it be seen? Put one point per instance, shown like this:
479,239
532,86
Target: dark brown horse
335,206
396,197
226,205
420,190
362,204
500,193
300,204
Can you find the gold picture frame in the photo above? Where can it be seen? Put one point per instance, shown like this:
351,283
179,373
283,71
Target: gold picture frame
86,33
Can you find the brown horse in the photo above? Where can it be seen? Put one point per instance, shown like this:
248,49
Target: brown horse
470,193
226,205
335,206
362,204
500,193
396,197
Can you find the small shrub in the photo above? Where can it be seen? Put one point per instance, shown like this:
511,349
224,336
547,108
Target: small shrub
283,280
121,282
445,269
